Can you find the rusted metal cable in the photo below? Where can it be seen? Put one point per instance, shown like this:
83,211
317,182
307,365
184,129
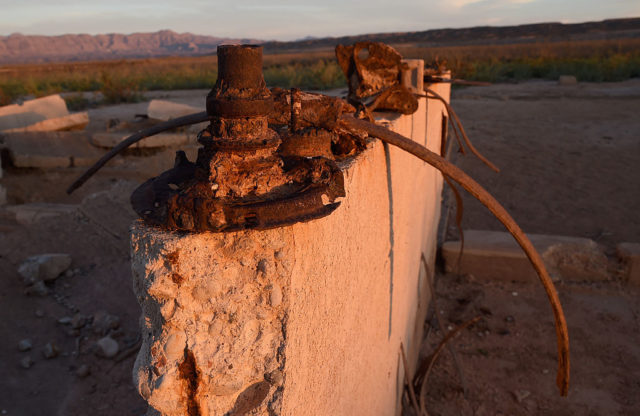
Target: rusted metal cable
453,115
459,213
158,128
425,377
452,351
478,192
407,381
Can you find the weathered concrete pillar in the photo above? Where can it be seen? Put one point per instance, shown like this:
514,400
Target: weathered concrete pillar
305,319
213,319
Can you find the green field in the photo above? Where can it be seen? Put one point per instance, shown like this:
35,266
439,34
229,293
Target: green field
126,80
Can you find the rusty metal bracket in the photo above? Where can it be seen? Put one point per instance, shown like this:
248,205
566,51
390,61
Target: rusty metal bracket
374,74
239,179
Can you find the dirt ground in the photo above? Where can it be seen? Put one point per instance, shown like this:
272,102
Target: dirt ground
570,160
570,165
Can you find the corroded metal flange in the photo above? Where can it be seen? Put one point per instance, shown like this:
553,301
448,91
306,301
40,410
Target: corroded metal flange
240,179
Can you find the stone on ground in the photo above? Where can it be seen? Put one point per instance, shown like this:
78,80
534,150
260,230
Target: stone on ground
108,347
44,267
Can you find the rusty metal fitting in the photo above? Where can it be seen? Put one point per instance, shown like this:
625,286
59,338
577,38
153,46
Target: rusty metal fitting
239,179
240,90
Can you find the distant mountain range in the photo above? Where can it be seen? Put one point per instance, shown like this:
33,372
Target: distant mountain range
17,48
606,29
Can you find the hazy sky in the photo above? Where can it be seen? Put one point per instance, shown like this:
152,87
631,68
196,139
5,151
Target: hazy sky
285,20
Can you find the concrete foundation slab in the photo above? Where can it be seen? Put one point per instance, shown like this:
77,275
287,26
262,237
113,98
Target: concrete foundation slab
496,255
51,149
27,214
76,121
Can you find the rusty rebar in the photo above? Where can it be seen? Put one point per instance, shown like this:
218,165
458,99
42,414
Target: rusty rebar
478,192
134,138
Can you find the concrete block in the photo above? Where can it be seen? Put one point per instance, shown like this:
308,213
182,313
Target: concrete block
27,214
76,121
51,149
31,112
412,76
496,255
109,140
44,267
629,254
166,110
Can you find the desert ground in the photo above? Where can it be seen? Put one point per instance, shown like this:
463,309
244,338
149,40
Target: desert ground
570,165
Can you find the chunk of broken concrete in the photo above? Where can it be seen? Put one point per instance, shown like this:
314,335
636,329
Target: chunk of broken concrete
76,121
44,267
496,255
166,110
50,350
32,112
107,347
25,345
27,214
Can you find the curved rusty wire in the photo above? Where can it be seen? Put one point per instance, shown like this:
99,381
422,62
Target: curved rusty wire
454,116
478,192
422,395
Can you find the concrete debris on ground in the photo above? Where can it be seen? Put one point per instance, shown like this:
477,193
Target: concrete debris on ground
44,267
26,362
50,350
107,347
27,214
166,110
104,322
496,255
25,345
65,320
76,121
31,112
41,115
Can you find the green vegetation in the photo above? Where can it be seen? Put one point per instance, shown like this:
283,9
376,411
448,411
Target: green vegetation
126,80
589,61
